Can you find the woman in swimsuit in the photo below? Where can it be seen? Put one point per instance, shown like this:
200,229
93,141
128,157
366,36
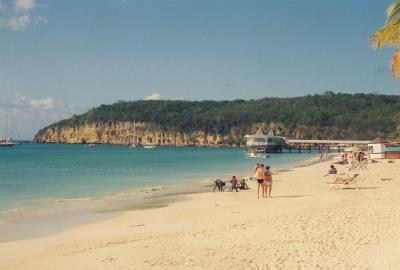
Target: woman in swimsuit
268,182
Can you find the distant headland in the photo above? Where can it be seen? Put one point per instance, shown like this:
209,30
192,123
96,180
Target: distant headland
215,123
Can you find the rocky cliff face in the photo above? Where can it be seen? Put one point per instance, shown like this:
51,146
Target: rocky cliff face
124,133
148,133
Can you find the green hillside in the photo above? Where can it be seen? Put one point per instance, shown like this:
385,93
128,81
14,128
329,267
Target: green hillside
351,116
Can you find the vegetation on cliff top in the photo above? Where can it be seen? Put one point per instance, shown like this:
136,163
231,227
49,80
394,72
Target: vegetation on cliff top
362,115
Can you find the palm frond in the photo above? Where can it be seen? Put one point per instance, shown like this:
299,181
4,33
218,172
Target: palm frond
396,65
389,35
393,13
386,36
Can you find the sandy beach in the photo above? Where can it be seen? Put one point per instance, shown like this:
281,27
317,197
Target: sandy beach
307,224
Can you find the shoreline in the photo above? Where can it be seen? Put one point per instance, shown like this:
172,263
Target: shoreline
46,213
306,224
128,174
56,215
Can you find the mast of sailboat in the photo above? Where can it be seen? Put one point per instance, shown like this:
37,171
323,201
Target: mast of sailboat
134,132
6,126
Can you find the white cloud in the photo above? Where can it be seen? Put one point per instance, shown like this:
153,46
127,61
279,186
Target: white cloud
40,20
155,96
28,115
24,5
18,101
46,103
19,23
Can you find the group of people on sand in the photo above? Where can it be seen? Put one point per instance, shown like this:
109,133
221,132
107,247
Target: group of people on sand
235,185
357,156
263,176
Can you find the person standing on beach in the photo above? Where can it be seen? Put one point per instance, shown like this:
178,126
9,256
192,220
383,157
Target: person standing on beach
234,182
267,181
260,174
255,171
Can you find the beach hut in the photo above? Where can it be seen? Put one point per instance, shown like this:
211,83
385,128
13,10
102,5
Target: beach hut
376,148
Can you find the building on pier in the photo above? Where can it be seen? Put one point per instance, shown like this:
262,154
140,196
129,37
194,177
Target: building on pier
267,143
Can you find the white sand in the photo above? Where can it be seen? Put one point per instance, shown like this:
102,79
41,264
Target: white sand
306,225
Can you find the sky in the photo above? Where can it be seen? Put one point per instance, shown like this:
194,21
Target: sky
62,57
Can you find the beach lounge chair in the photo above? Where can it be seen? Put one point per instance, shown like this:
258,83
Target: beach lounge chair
341,182
358,165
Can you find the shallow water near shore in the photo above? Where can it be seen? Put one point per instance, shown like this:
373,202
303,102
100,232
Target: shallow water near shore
36,173
39,181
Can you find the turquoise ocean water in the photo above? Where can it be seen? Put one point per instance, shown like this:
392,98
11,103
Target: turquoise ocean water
35,173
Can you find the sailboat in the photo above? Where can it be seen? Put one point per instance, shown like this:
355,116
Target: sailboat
150,145
133,145
6,142
89,145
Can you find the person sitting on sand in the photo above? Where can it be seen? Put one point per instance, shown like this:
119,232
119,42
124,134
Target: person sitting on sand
332,170
219,184
267,181
260,174
243,185
234,183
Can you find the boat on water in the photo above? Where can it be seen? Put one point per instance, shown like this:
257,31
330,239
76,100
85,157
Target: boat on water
256,153
150,146
7,142
89,145
134,137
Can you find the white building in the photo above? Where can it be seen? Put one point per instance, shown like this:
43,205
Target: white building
376,148
269,142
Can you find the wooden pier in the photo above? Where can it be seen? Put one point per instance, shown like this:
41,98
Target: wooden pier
322,145
269,143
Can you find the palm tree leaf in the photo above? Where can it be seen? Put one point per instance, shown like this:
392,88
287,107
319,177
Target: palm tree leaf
386,36
393,13
396,65
389,35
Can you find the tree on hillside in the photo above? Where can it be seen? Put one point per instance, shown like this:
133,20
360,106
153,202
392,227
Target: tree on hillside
389,35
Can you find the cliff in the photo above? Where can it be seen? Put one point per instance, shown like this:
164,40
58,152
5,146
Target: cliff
146,133
172,122
123,133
